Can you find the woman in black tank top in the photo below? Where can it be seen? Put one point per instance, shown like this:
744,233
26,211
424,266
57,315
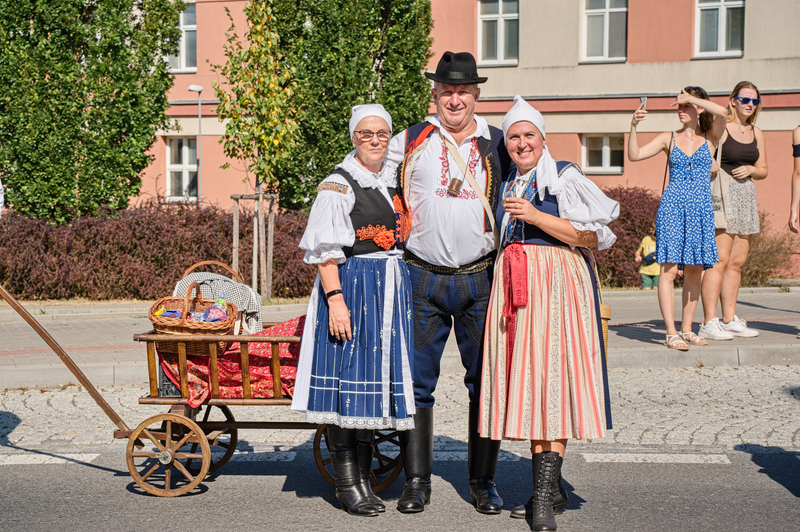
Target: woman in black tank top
744,159
794,209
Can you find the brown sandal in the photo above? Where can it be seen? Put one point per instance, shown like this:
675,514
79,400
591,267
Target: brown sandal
675,341
692,338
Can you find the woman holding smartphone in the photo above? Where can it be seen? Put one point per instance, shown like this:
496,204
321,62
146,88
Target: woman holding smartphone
685,219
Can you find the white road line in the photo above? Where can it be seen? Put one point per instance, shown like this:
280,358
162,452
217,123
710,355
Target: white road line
37,459
655,458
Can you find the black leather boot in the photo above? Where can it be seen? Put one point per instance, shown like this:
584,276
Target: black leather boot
544,475
417,448
344,456
482,456
560,497
365,451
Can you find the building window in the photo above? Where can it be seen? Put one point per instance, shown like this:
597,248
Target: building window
605,30
498,32
603,154
182,168
719,28
186,60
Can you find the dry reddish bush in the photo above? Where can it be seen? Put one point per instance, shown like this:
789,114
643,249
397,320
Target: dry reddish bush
770,254
637,211
140,253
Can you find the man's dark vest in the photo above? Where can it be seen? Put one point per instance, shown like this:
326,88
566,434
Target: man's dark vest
370,209
493,154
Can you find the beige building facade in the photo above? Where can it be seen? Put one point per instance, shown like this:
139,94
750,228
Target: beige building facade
585,63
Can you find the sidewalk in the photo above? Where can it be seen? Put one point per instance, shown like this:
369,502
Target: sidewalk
99,338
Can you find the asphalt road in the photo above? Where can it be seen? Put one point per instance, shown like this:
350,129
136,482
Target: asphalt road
748,490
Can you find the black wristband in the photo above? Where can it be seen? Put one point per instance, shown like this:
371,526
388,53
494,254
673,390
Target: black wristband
333,293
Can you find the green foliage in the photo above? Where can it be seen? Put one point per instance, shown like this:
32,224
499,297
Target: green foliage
257,97
770,254
83,90
349,52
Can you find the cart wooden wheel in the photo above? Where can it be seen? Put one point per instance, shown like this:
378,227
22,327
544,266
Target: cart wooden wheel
222,442
162,471
386,446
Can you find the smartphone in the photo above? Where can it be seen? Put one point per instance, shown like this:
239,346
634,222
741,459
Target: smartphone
643,102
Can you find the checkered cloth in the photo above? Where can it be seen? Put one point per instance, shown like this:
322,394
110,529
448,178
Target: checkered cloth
212,285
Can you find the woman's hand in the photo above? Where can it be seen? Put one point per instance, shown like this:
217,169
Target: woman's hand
743,172
639,115
522,209
339,318
683,98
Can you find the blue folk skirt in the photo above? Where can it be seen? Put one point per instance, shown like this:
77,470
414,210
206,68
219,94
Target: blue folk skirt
365,382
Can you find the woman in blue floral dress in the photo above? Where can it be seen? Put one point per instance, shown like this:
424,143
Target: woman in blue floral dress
685,220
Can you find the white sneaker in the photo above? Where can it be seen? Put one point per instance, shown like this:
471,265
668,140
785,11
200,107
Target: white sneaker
738,327
713,330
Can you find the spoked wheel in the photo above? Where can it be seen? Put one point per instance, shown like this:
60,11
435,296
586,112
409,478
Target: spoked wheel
159,468
222,442
386,446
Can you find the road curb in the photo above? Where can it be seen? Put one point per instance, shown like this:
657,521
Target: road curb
111,374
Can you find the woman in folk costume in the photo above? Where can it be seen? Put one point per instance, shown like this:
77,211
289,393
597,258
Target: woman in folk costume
354,372
544,373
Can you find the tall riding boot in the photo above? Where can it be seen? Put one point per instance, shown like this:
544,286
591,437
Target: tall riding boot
560,497
482,456
344,456
417,448
365,450
544,475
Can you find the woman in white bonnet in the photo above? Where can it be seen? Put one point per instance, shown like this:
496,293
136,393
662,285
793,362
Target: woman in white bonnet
354,372
544,374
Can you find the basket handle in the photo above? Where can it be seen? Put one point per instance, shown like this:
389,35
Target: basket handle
215,263
185,307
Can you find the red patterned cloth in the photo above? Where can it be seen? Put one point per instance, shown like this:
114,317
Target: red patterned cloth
230,369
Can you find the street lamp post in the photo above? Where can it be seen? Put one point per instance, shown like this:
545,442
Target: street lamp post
198,89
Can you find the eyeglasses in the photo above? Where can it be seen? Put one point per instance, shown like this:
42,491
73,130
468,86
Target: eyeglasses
745,100
365,135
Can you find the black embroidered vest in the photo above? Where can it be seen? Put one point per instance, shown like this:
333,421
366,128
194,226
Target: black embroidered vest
371,212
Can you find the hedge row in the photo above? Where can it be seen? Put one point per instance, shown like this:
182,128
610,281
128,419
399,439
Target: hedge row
143,251
139,253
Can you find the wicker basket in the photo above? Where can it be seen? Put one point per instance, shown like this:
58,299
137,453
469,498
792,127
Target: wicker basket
183,327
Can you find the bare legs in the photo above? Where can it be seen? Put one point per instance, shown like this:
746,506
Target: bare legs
545,446
691,295
722,281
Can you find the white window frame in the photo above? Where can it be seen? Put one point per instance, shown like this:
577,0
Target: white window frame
183,69
501,36
605,11
722,6
606,169
185,167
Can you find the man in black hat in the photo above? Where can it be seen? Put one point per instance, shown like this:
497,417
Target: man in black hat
450,253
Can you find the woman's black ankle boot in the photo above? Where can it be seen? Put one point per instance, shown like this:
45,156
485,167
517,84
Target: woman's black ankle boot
544,476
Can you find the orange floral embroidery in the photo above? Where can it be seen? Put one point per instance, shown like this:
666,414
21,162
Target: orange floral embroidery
404,222
369,232
384,239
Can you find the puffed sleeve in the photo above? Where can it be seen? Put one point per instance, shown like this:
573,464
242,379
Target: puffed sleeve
329,227
395,152
586,207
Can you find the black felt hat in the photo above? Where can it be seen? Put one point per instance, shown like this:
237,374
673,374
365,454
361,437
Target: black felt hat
456,69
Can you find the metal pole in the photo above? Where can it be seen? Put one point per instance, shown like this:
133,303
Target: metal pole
199,149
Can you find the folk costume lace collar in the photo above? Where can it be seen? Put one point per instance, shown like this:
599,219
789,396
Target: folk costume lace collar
364,177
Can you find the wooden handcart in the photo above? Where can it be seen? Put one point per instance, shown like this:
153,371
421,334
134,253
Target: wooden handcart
170,454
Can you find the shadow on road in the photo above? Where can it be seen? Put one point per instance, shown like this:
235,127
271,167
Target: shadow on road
781,466
651,332
8,422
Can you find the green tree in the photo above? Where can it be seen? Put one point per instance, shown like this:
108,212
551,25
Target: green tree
83,90
349,52
257,96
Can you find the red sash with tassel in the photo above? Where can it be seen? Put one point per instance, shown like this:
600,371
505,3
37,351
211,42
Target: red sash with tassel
515,283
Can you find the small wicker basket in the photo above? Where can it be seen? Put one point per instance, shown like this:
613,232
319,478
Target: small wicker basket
183,327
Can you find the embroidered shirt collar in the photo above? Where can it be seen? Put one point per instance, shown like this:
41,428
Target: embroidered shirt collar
482,129
364,177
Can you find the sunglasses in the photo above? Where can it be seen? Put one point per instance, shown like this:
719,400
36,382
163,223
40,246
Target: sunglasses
745,100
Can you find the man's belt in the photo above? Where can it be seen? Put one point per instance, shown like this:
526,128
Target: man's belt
479,265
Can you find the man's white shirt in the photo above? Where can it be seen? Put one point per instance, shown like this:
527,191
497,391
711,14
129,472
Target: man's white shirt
445,230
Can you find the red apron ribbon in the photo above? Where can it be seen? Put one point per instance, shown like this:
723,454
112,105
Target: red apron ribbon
515,282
